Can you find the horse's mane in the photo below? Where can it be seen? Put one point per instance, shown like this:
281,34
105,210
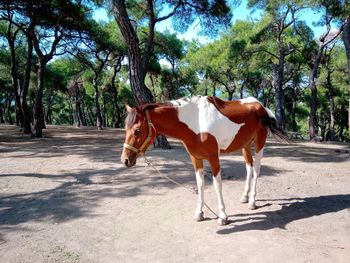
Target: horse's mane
131,117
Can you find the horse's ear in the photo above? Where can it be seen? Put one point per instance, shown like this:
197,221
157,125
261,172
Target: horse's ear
128,108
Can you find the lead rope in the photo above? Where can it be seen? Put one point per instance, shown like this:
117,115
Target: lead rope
191,189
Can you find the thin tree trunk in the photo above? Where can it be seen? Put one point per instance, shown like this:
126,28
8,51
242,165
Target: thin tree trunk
26,80
91,116
331,118
294,107
331,93
313,110
48,115
104,111
1,115
341,124
99,121
137,73
79,113
241,92
277,82
117,116
313,88
71,111
116,123
8,117
14,76
137,64
154,94
346,41
38,111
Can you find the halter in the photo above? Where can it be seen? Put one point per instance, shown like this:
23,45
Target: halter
146,143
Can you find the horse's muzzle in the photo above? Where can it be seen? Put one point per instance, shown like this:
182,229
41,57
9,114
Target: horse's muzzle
128,163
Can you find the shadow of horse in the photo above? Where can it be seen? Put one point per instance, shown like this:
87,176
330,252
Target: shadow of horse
292,209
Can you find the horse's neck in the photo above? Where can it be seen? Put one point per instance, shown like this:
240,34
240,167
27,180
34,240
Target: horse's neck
166,121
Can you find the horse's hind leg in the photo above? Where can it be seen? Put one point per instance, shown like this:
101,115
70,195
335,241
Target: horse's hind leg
247,155
198,168
256,173
259,150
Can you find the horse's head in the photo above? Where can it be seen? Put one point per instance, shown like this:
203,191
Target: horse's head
139,135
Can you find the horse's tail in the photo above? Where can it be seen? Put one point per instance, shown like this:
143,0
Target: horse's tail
269,121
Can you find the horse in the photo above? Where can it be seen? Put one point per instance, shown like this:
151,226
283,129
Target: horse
207,126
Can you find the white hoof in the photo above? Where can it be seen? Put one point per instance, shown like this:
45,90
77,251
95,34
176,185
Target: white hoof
244,199
199,217
252,206
222,221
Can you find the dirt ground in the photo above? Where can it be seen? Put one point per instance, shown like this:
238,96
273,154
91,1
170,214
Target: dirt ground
67,198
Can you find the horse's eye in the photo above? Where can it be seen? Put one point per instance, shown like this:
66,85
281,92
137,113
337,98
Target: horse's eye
137,131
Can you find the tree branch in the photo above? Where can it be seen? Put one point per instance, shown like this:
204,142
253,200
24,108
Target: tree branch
173,12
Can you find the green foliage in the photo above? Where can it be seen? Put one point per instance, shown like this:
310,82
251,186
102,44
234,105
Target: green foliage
61,71
238,63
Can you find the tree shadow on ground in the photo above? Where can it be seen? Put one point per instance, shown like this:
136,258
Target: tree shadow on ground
77,193
292,209
230,169
298,151
93,144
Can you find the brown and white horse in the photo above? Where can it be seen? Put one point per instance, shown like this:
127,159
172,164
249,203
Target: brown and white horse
207,126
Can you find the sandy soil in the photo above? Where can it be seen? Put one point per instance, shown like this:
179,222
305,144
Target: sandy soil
67,198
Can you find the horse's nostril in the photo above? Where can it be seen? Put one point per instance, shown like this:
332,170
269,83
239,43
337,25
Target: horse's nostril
126,162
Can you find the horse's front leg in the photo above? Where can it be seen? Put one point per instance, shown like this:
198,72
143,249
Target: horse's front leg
217,181
198,168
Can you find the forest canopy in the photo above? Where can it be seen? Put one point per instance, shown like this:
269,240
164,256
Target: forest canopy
61,66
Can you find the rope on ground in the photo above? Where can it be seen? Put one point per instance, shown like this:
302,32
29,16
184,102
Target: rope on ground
190,189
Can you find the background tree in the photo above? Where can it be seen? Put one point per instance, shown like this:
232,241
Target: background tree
213,14
96,52
20,80
250,59
325,40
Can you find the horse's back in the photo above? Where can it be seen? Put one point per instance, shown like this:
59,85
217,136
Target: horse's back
249,113
241,111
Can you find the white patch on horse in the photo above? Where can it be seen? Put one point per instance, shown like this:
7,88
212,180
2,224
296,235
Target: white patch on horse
249,100
202,117
252,99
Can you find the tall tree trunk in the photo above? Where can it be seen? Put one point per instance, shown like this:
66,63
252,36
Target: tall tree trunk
116,123
137,73
330,135
331,132
14,76
99,121
277,82
312,85
313,110
117,116
38,111
24,90
79,114
48,115
71,111
341,125
104,113
137,64
154,94
8,117
1,115
346,41
294,107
